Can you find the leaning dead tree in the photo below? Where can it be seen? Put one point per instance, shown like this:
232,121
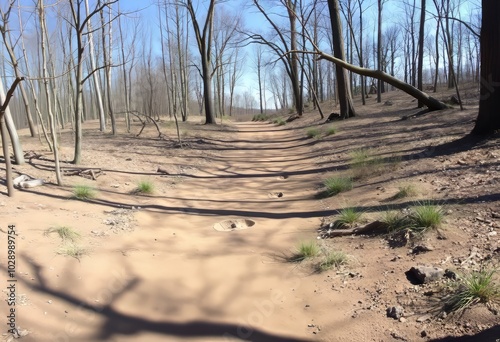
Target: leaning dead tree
429,101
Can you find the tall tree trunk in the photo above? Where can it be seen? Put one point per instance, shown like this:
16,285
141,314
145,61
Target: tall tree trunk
108,60
296,86
488,119
421,50
124,71
182,53
204,41
32,87
344,92
4,106
449,46
363,88
95,76
379,49
436,76
48,97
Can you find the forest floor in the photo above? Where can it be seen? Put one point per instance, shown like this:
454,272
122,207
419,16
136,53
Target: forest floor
154,268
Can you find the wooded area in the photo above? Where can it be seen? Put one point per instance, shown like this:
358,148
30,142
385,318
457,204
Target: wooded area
85,60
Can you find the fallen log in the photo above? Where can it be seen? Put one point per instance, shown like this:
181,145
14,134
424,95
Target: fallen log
85,173
374,228
24,182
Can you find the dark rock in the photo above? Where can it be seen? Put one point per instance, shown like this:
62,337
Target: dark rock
450,274
425,274
333,117
388,103
293,117
422,249
454,100
395,312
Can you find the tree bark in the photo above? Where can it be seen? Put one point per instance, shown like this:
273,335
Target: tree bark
488,119
95,77
204,41
421,50
379,50
4,103
48,97
344,92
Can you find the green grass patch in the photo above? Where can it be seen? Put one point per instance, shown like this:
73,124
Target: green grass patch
336,185
405,190
396,221
281,122
313,133
260,117
474,288
72,250
349,216
305,250
84,192
64,232
145,187
332,259
426,216
360,157
419,219
330,131
364,164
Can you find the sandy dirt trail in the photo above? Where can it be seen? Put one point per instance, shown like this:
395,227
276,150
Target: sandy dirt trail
177,278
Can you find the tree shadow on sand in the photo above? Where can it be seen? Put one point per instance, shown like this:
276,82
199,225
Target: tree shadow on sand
117,323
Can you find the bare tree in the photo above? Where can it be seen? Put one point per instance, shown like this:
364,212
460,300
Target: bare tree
107,48
235,72
79,24
259,54
6,35
95,76
31,83
48,97
344,91
281,43
204,42
380,86
421,38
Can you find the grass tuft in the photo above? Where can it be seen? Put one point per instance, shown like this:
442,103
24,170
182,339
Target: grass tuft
476,287
330,131
363,164
145,187
279,121
336,185
396,221
84,192
72,250
349,216
332,259
313,133
260,117
305,250
406,190
426,216
64,232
